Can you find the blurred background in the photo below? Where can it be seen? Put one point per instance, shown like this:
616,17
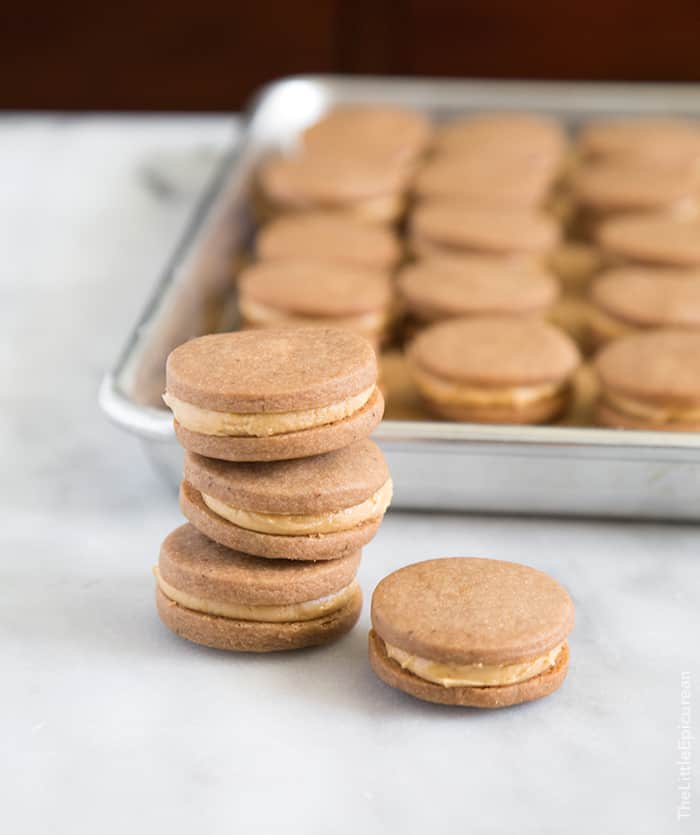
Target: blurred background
212,55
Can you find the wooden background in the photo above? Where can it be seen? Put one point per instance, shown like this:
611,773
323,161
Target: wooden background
212,54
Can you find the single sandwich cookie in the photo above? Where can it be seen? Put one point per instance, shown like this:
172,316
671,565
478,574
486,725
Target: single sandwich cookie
470,631
269,395
228,600
651,381
658,241
318,508
524,137
485,180
328,236
393,135
364,187
437,289
603,190
458,228
659,142
629,299
494,369
305,292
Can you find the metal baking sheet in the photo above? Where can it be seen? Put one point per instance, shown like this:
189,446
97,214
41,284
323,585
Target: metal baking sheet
440,466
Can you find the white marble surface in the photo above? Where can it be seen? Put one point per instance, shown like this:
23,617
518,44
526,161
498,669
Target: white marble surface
109,724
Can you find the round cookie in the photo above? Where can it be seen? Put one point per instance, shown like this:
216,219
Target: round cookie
436,289
318,508
454,227
229,600
657,142
306,292
606,188
328,236
365,187
657,241
635,298
394,135
267,395
520,136
471,631
494,369
651,380
485,180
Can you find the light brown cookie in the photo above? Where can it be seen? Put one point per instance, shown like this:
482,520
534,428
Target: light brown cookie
525,137
651,380
494,369
432,290
629,299
655,142
228,600
485,180
457,228
393,135
653,241
308,509
273,394
363,186
471,631
308,292
328,236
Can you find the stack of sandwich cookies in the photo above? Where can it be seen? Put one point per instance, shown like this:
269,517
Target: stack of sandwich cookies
471,632
281,487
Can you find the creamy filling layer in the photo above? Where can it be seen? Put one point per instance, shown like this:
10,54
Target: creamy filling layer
606,327
210,422
378,209
288,524
290,613
263,315
652,411
473,675
457,394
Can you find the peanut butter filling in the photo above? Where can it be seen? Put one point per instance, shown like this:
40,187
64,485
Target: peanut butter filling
210,422
473,675
283,524
290,613
605,327
262,315
458,394
652,411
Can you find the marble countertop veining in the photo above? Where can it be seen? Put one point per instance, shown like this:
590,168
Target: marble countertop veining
110,724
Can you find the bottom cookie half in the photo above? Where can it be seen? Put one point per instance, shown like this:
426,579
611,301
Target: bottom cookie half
392,674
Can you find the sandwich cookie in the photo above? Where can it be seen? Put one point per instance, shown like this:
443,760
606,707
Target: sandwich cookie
651,381
304,292
328,236
657,241
228,600
393,135
634,298
485,180
268,395
657,142
318,508
457,228
362,186
603,190
523,137
494,369
470,631
436,289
